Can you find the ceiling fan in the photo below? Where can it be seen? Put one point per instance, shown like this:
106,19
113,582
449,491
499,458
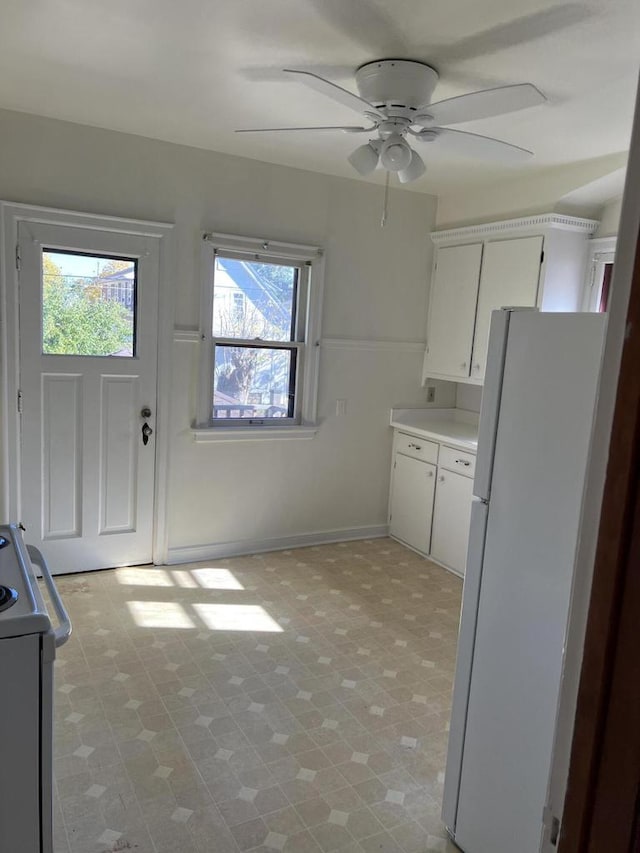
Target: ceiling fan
395,96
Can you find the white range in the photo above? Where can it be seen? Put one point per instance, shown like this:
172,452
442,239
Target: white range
28,645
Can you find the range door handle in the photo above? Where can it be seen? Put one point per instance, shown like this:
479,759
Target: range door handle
63,631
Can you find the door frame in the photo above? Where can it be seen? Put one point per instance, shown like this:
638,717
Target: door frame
11,214
600,808
592,727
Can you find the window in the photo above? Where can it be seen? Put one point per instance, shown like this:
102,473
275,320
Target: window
238,306
88,304
259,335
605,288
599,274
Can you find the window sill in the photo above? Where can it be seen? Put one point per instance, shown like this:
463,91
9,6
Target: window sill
202,435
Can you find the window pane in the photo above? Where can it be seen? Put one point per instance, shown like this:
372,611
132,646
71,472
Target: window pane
253,300
606,288
88,304
253,382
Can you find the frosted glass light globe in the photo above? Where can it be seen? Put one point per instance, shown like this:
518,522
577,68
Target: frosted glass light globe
396,153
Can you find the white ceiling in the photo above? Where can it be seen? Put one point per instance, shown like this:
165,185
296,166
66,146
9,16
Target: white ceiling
190,71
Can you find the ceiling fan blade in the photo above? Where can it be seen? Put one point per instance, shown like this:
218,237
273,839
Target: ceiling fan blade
336,93
275,74
343,128
476,105
522,30
482,147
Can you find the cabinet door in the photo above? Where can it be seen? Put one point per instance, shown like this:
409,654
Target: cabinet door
411,505
452,310
510,273
451,518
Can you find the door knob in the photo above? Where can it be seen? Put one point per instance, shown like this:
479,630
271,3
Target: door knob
146,432
145,412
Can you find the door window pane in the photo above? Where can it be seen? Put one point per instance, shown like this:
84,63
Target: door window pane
88,304
253,300
253,382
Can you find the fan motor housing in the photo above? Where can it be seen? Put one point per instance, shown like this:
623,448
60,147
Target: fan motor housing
396,83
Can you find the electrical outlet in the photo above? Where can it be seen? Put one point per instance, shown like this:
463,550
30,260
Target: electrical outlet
431,393
341,407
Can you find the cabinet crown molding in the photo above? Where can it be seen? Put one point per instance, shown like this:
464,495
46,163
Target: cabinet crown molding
522,225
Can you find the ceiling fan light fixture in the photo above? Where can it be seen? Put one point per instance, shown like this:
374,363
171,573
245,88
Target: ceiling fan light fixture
365,158
396,153
414,170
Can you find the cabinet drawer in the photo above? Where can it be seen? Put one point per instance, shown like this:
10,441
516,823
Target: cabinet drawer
458,461
418,448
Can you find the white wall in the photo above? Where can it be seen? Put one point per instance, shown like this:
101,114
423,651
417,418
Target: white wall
375,290
468,397
609,219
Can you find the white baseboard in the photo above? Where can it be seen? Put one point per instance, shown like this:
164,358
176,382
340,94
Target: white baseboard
218,550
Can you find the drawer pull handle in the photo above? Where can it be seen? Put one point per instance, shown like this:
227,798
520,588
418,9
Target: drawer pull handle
429,473
415,446
463,462
441,478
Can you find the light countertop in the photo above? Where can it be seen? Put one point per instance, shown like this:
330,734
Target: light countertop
456,427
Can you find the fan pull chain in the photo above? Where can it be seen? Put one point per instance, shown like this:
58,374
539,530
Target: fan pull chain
385,204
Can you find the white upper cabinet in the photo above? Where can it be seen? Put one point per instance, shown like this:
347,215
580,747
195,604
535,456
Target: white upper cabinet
538,261
452,310
510,275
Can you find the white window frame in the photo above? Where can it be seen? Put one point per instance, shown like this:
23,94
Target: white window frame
311,284
602,251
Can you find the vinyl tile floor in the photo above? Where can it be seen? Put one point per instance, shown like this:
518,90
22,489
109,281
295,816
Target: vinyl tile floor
296,701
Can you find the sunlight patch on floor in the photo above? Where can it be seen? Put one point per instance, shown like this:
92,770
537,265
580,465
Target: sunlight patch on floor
237,617
159,614
210,578
183,578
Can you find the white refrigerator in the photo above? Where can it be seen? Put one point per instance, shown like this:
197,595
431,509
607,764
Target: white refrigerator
536,419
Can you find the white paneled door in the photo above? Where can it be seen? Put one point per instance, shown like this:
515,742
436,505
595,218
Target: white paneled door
88,362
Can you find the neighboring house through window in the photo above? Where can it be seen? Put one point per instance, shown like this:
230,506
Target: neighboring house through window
260,333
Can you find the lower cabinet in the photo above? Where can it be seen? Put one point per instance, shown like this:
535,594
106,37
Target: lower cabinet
451,518
430,500
411,503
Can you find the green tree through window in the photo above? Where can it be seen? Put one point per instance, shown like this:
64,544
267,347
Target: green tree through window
77,320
